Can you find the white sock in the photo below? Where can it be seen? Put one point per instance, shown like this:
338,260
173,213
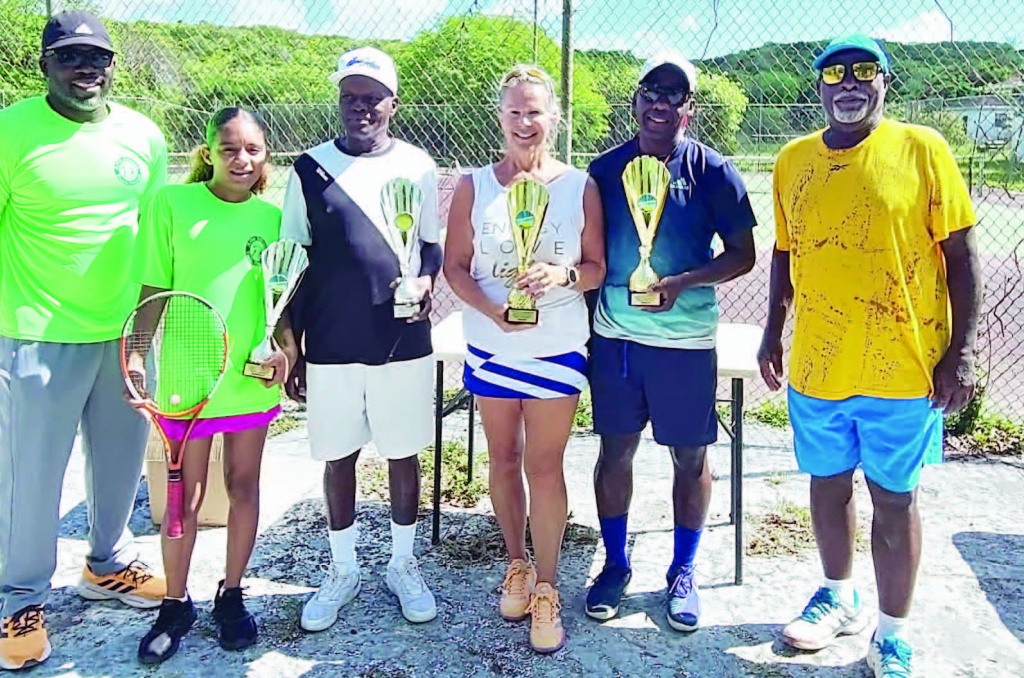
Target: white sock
843,588
402,538
889,627
343,544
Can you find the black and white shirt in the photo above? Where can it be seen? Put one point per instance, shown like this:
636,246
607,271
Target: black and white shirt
344,303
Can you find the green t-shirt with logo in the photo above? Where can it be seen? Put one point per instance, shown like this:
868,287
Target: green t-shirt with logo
192,241
69,200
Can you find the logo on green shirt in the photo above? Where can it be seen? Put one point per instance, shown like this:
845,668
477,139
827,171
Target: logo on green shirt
254,249
128,171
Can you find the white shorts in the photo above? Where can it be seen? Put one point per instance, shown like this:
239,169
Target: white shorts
347,406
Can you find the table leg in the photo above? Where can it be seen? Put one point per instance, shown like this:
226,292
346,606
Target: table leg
737,473
438,407
469,443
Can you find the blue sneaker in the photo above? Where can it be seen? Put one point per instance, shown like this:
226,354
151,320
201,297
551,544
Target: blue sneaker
683,600
890,658
605,593
823,620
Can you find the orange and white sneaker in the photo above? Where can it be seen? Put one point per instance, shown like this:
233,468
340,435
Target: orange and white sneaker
546,633
23,640
520,578
135,586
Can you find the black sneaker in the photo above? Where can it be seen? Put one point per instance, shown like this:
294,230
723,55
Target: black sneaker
605,593
237,626
175,619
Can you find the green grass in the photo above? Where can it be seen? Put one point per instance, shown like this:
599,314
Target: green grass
990,435
583,420
456,490
769,413
786,530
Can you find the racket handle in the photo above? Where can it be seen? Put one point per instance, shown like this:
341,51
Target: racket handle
175,505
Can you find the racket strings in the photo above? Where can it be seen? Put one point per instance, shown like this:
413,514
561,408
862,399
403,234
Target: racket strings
184,354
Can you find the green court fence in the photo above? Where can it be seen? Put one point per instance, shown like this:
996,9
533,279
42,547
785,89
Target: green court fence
958,67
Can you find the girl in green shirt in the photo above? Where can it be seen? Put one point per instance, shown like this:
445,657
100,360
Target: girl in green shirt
205,237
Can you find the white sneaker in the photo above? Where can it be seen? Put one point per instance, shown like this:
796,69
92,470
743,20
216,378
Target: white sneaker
890,658
823,620
340,586
406,582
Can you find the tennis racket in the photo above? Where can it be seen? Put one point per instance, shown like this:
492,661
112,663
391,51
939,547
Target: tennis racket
174,350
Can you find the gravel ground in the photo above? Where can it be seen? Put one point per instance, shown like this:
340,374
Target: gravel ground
968,619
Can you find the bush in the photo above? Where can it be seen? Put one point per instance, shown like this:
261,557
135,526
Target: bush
721,105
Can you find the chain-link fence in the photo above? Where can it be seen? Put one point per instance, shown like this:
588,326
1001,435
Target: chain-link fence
958,67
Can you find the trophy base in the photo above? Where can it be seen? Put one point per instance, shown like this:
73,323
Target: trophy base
407,310
264,372
522,316
645,299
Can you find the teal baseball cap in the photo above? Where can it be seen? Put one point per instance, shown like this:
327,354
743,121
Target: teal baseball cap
857,41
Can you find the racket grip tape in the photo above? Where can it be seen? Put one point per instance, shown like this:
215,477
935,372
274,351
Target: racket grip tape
175,505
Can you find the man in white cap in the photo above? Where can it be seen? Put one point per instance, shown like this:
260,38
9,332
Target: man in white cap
659,364
365,374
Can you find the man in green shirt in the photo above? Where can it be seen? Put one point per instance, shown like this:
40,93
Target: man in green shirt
73,171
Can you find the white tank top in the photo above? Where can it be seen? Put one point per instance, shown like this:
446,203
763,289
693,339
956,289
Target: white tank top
563,325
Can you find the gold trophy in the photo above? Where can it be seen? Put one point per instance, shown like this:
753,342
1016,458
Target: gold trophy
527,203
283,263
645,180
401,201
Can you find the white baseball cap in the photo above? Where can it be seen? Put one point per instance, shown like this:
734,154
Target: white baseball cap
674,59
368,61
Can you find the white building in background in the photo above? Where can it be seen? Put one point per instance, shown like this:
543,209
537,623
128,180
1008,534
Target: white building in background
995,121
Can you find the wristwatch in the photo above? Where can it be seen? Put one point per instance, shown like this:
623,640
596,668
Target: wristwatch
572,276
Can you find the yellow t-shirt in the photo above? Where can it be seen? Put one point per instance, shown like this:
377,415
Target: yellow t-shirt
863,227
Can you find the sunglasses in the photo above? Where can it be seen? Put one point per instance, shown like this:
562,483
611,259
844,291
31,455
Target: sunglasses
75,58
653,94
517,75
863,71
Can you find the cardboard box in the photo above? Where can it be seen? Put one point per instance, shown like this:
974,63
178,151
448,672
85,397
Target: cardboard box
214,511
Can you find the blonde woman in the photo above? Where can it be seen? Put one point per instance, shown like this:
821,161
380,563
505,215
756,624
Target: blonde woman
527,378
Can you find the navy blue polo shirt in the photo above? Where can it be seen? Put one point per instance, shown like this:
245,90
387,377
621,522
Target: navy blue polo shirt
706,198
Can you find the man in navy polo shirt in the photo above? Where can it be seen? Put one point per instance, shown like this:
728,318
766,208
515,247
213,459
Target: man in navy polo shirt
659,364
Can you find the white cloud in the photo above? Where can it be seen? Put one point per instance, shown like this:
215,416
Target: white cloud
930,26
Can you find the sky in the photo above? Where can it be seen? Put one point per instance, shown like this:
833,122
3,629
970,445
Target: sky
699,28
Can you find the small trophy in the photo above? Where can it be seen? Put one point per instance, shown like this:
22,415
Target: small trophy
527,202
401,200
645,180
283,264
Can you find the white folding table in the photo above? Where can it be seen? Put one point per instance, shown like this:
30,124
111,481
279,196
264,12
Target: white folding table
737,361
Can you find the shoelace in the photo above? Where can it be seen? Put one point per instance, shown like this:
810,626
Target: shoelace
683,585
544,607
171,616
821,605
410,578
232,603
515,580
137,573
26,621
333,580
896,656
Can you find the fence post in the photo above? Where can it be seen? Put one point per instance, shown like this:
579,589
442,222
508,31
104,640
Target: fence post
567,65
49,8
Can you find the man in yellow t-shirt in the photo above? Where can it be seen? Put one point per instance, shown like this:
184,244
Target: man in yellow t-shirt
73,171
875,255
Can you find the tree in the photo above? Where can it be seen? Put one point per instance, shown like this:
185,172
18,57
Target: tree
451,103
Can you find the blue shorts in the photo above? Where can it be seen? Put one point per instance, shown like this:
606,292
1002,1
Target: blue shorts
891,439
672,388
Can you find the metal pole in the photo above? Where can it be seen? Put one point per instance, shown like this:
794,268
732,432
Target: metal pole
49,8
536,31
567,66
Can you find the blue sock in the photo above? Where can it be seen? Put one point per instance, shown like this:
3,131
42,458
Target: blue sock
686,542
613,532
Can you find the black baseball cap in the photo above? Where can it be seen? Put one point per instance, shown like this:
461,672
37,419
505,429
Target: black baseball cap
65,29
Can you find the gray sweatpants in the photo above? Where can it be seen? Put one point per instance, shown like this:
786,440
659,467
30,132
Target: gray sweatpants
46,390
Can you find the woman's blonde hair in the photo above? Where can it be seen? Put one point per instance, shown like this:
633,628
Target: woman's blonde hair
201,171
